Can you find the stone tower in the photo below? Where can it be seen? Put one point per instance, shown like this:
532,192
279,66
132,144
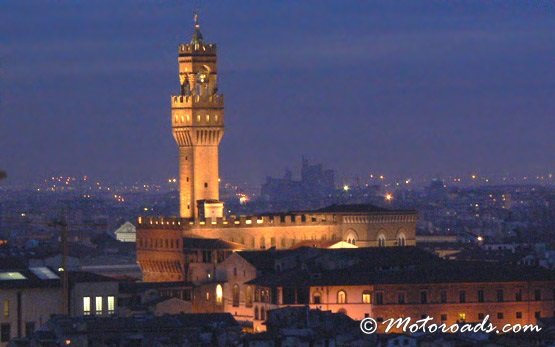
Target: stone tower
198,127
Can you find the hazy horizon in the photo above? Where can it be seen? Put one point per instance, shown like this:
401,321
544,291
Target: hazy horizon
398,88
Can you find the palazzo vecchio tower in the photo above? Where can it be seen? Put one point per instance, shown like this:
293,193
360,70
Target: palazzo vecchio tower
198,127
173,248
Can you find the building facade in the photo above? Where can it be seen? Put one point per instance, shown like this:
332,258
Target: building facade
198,127
379,283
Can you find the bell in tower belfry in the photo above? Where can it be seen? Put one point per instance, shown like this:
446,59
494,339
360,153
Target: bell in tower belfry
198,127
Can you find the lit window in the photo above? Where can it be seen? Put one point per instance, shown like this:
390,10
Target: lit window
219,294
208,118
216,117
111,304
366,298
462,317
98,305
198,118
341,297
87,305
6,308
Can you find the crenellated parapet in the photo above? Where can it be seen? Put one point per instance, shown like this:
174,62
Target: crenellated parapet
188,49
279,220
197,101
237,221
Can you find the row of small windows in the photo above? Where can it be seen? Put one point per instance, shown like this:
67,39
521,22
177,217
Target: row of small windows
159,243
401,240
99,308
215,118
424,299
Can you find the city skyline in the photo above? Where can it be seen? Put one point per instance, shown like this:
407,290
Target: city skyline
355,87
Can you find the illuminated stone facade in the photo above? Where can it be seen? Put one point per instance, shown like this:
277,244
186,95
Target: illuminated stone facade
198,126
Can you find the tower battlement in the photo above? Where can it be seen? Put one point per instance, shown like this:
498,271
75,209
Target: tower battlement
186,49
197,101
299,219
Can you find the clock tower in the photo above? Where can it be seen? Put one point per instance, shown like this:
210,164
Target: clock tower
198,127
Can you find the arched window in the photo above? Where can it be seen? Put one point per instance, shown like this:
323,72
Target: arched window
341,297
317,298
381,240
401,240
219,294
235,295
256,316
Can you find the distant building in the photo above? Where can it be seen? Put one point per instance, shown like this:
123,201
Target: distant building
313,190
157,298
380,283
126,232
305,327
29,296
214,329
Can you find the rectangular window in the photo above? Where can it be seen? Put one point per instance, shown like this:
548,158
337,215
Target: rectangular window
5,332
519,315
423,297
462,317
111,304
537,294
98,305
500,295
443,296
86,305
480,295
6,308
518,295
401,298
366,298
443,317
462,296
499,315
537,314
481,316
379,298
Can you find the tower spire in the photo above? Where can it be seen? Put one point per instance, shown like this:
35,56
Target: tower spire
197,36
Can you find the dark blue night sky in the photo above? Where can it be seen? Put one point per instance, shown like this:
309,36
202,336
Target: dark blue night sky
396,87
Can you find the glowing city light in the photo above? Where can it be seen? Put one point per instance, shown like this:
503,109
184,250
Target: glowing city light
388,197
243,198
346,188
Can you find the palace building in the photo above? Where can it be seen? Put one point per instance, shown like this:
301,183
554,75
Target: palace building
197,118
